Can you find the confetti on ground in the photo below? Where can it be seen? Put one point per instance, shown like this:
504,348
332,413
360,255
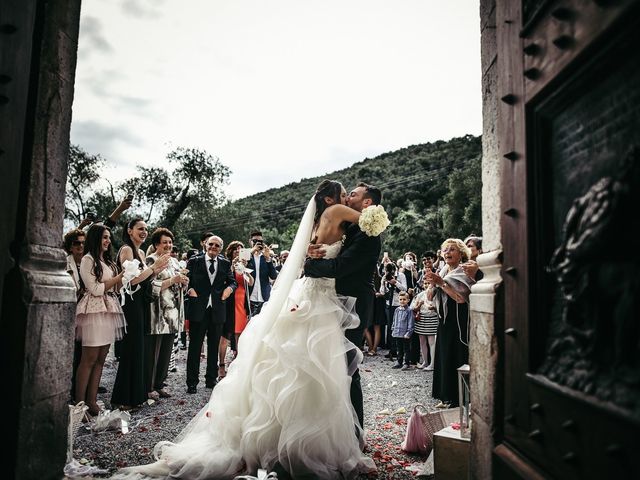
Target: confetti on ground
385,393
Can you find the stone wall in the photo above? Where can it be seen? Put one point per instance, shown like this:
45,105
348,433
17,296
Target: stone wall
485,296
38,301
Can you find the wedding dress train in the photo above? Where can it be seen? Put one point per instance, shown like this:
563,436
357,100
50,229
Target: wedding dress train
285,398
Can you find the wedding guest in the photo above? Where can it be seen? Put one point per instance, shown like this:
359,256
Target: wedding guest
450,289
167,313
203,241
263,271
99,318
183,335
402,329
238,311
426,326
211,284
471,267
428,259
373,335
410,271
130,386
283,258
228,336
391,287
74,246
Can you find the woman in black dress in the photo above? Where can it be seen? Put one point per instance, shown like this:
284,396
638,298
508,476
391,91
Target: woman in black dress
450,289
131,386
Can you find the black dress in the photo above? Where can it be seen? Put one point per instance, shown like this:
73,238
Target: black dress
450,353
130,387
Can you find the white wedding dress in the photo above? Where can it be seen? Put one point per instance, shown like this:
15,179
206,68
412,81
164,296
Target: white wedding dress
285,398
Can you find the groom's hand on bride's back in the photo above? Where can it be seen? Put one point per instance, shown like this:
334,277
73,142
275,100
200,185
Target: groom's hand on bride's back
316,250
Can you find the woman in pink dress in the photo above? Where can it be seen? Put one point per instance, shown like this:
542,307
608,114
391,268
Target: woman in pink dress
99,317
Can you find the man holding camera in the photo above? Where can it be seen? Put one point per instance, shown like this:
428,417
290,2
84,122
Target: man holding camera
264,271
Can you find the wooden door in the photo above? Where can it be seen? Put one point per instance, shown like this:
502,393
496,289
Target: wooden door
569,130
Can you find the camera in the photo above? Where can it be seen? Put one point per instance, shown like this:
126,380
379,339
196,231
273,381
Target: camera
129,196
91,216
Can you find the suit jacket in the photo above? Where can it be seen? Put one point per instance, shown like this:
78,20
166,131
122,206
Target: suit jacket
199,281
267,271
353,270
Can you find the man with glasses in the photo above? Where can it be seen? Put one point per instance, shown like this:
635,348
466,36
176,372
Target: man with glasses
261,263
211,282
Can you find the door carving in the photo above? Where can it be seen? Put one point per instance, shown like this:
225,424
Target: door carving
569,129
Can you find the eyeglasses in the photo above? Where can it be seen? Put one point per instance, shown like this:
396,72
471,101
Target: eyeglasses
77,243
254,240
450,249
217,245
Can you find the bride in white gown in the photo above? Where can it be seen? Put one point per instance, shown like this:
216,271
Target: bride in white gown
285,399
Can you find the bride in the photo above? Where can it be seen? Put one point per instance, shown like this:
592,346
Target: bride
285,400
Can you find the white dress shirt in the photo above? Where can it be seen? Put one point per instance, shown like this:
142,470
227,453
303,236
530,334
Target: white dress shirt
212,276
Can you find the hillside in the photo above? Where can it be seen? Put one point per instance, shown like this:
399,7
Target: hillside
415,181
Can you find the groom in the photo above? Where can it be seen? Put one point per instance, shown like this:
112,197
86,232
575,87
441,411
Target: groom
353,270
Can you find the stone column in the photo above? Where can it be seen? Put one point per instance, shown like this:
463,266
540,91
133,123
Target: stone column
38,298
486,298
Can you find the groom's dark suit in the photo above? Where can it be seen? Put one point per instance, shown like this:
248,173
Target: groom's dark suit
353,270
204,318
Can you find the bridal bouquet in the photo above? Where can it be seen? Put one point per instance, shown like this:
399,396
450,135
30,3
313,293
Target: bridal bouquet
374,220
131,271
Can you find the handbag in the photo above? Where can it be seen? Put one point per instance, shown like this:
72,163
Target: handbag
422,425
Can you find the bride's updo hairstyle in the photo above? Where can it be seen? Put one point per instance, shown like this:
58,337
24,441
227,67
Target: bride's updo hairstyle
327,188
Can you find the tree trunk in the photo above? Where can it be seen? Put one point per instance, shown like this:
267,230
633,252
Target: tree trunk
175,209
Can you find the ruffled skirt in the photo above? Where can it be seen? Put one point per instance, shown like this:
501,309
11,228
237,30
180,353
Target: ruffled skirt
284,400
99,320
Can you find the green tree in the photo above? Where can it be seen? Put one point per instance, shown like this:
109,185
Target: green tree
82,175
461,206
152,188
197,182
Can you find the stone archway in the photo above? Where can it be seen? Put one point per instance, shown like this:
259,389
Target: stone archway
38,45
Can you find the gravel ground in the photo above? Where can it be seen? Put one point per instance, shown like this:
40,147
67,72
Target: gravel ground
384,389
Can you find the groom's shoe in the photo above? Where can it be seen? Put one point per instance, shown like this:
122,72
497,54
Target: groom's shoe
210,383
192,389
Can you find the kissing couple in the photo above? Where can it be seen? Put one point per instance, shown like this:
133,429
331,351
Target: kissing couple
292,399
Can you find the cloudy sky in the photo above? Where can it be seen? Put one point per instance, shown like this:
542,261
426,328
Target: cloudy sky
277,89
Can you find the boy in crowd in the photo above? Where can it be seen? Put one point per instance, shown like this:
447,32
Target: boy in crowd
403,324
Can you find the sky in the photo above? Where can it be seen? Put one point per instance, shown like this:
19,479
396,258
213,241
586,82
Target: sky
278,90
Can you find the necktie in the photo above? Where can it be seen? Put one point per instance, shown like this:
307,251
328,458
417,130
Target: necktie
212,267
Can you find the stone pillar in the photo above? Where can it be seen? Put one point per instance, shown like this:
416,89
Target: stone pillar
486,297
38,297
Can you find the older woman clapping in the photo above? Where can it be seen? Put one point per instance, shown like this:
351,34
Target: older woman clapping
450,289
167,313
